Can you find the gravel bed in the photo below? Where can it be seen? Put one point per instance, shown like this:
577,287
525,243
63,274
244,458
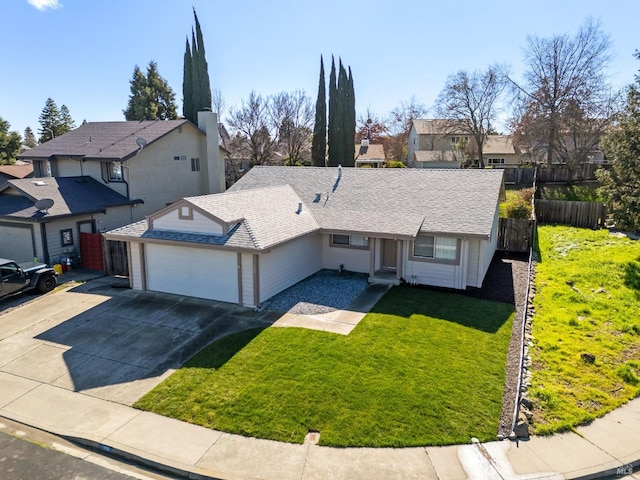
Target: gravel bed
506,281
322,292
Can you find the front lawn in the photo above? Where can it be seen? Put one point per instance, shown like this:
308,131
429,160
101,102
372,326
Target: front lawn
423,368
587,302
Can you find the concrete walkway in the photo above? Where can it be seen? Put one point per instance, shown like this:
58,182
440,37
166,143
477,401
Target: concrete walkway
609,446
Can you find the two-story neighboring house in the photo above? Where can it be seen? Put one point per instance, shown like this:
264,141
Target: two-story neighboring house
103,175
498,151
435,144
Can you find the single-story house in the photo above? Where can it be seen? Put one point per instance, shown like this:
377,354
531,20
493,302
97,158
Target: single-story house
278,225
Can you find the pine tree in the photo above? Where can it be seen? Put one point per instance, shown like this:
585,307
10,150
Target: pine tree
66,122
151,96
342,116
319,144
10,143
621,182
29,138
49,120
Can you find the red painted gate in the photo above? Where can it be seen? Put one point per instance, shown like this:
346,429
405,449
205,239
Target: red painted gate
91,252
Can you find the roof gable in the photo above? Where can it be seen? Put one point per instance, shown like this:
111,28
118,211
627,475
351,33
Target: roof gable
105,140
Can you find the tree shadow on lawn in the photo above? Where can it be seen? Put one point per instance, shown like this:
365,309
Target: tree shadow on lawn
224,351
632,275
405,301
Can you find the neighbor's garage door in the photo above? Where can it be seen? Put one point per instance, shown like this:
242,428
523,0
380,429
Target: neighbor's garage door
194,272
16,243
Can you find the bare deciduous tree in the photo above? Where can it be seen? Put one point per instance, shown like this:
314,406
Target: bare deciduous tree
564,92
469,103
293,117
399,123
255,136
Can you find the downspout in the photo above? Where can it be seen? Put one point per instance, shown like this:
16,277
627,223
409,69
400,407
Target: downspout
45,246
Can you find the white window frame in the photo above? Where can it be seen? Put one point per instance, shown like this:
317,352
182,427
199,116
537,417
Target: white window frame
195,164
435,248
115,171
359,242
496,161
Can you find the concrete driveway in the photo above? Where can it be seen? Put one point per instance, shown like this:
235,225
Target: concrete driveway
113,343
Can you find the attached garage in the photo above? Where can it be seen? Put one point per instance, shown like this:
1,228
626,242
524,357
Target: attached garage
16,242
193,272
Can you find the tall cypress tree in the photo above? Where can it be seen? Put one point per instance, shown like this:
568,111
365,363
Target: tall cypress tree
196,87
203,70
319,143
187,84
333,127
342,116
195,78
350,126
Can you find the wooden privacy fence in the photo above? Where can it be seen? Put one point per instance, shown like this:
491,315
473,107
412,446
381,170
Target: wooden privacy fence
561,173
519,176
515,234
576,214
115,256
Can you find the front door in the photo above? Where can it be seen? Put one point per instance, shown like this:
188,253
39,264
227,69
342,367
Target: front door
389,254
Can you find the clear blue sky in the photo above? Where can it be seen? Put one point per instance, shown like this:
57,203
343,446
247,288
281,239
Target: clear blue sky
82,53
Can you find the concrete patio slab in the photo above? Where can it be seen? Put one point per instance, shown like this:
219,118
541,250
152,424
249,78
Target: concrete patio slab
367,463
233,456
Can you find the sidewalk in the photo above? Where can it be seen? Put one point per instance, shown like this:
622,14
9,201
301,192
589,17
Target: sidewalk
608,446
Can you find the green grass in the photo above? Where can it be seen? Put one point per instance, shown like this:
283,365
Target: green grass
423,368
579,192
587,301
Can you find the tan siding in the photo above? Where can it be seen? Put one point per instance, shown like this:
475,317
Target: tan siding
353,259
199,223
158,179
288,264
65,167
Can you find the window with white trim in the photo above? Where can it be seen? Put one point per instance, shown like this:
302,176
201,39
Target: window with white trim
353,241
439,248
195,164
115,171
495,161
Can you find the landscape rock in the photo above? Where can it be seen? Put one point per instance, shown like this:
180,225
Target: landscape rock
588,358
521,429
526,403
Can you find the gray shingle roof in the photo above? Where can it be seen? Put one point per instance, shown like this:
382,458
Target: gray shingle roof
393,202
263,218
71,196
104,140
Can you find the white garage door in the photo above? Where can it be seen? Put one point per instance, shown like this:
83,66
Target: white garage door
194,272
16,243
